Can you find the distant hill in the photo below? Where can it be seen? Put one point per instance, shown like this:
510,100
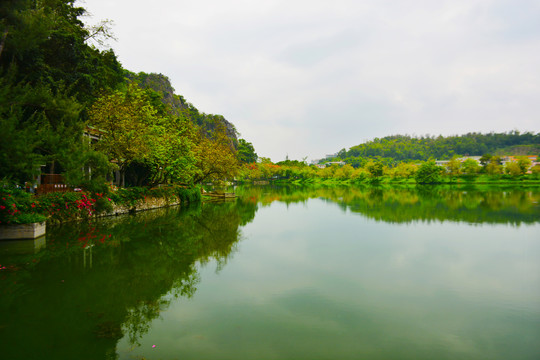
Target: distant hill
176,104
405,147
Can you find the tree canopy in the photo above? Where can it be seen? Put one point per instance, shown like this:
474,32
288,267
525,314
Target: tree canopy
54,83
404,147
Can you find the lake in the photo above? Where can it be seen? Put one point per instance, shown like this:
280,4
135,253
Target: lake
285,273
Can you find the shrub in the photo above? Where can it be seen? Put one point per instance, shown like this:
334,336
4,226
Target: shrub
102,205
428,173
18,207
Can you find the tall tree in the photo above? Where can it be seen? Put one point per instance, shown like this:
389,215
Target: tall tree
48,76
216,159
125,120
246,152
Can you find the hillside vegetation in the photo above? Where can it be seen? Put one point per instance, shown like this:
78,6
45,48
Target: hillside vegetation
57,91
405,147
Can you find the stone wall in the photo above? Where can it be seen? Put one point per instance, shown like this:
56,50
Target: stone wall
22,231
142,205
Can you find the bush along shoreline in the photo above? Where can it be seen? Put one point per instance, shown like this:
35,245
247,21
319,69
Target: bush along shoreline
20,207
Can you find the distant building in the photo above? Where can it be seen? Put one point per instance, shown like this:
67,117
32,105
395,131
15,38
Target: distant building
331,156
441,162
505,159
340,163
510,158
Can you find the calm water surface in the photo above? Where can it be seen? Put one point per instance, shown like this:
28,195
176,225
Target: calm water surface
285,273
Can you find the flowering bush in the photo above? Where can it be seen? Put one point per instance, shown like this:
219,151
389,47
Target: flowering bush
71,205
17,207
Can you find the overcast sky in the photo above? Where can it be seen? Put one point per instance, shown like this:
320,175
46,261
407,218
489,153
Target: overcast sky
308,78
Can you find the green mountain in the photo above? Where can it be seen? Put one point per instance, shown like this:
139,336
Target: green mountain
405,147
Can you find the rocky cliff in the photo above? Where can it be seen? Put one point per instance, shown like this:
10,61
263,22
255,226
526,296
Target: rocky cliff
177,105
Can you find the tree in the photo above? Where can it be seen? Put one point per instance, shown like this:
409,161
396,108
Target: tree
215,158
485,159
48,76
470,167
512,168
524,164
404,170
493,168
454,166
125,119
428,173
374,168
171,157
246,152
535,170
38,127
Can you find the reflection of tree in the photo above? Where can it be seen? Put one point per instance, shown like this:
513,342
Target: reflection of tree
403,204
137,260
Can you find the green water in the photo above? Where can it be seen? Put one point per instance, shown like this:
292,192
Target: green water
285,273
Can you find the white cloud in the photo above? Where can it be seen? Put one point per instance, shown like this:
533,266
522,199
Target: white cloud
312,77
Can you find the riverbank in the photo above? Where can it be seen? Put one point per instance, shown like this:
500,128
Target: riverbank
504,180
19,207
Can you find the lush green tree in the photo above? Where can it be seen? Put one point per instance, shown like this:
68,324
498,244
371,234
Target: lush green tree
454,166
494,168
344,172
125,119
47,43
524,164
470,167
246,152
485,159
535,170
428,173
215,157
359,174
39,126
403,170
171,158
512,168
375,169
48,77
19,160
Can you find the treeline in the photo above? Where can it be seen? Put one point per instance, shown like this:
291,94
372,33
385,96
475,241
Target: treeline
405,147
55,88
490,169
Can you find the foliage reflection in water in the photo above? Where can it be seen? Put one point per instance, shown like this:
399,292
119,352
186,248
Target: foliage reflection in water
513,205
96,282
322,272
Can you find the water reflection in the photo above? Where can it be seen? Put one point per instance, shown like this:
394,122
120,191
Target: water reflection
96,282
308,274
24,246
511,205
